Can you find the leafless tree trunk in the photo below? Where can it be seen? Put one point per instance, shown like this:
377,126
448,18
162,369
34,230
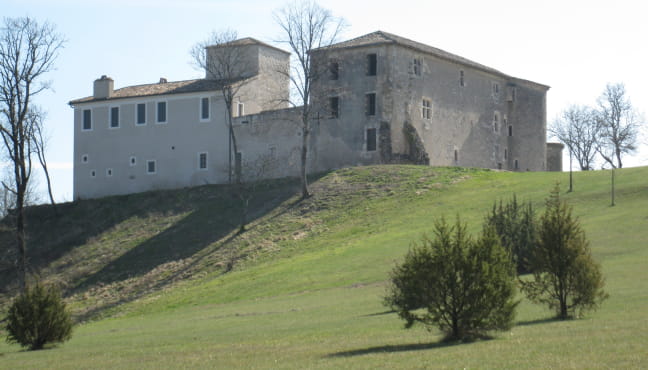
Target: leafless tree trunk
27,52
306,27
252,174
619,125
579,130
223,58
35,117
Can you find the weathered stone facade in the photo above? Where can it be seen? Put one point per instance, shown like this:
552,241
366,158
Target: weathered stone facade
379,99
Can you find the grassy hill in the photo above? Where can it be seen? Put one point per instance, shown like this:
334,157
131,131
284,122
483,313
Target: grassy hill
169,283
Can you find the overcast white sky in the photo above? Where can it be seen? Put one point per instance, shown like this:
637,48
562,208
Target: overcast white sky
574,46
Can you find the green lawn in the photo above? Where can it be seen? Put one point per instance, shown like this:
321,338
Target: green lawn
309,277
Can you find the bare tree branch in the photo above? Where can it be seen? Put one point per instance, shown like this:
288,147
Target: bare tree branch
579,130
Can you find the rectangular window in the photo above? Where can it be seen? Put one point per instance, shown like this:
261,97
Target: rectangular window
240,110
87,119
84,158
132,161
114,117
141,114
335,107
109,172
496,122
426,109
151,167
461,78
202,161
371,140
372,64
417,66
370,104
161,112
510,130
517,166
334,70
204,109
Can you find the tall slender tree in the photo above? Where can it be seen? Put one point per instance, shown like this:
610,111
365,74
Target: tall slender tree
306,26
27,52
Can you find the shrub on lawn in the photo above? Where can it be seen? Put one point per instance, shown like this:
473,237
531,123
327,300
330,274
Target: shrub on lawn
463,287
38,316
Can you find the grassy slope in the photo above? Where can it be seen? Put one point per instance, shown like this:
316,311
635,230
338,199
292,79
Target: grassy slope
306,287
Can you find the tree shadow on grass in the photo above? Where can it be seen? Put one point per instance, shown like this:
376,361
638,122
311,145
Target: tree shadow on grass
393,348
538,321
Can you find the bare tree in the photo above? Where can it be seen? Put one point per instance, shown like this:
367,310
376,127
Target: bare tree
27,52
619,123
223,57
578,129
35,118
251,178
306,27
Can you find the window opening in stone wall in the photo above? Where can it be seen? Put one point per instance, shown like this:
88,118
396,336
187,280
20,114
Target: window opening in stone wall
87,119
370,105
202,161
141,114
510,130
516,164
334,104
161,112
114,117
417,66
372,64
456,155
496,122
505,153
132,161
109,172
461,78
93,173
84,158
371,140
496,88
334,70
151,167
240,109
204,109
426,109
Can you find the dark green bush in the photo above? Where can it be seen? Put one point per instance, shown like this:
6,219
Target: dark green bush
466,288
565,276
38,316
516,227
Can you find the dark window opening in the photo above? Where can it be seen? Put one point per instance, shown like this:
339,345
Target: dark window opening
372,64
202,161
516,164
150,166
461,78
334,70
161,111
335,107
370,106
510,130
204,108
371,139
456,155
505,153
141,114
87,119
114,117
417,67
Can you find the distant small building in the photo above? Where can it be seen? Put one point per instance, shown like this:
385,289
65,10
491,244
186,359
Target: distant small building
383,99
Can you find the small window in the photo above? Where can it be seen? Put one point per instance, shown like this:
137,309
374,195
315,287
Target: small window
416,65
132,161
426,109
372,64
510,130
109,172
496,122
456,155
461,79
496,88
370,104
93,173
505,153
335,107
114,117
84,158
240,109
141,114
204,109
151,167
334,70
202,161
516,165
161,112
371,140
87,119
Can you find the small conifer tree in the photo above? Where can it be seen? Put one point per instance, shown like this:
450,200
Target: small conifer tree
565,276
38,316
463,287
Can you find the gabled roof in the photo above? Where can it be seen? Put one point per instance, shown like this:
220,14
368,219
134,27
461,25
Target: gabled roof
381,37
161,88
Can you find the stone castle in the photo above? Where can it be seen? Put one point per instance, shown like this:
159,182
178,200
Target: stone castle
384,99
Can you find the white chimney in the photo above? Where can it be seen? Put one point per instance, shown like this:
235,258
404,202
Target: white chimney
103,87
